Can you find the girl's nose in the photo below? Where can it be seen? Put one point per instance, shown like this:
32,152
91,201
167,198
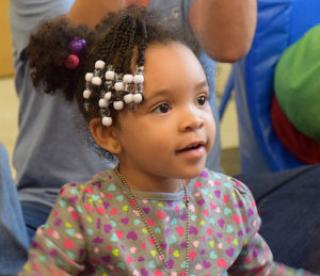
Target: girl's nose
191,119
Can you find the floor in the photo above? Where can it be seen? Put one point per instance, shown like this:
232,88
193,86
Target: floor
229,127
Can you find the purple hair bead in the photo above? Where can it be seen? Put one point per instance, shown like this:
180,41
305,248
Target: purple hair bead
77,45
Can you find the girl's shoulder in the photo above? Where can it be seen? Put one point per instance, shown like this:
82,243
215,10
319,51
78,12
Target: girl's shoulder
217,180
227,200
215,185
89,190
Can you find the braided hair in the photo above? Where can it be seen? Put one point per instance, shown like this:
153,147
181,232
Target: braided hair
119,39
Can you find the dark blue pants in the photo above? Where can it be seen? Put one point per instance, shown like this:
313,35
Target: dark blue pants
289,205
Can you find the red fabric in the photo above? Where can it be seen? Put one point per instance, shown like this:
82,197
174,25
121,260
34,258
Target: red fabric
301,146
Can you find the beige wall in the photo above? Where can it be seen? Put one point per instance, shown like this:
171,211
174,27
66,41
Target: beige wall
6,68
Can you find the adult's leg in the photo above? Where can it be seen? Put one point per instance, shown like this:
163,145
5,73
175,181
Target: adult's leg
13,235
35,214
289,206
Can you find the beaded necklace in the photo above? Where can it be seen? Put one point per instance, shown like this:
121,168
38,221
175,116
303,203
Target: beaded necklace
134,199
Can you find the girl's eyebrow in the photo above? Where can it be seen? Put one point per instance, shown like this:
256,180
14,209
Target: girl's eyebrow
159,94
166,92
202,84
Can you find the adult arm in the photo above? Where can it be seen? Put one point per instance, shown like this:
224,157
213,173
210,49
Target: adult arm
224,28
26,15
90,12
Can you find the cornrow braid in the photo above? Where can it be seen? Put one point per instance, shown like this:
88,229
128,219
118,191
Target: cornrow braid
107,44
126,46
123,37
130,46
143,44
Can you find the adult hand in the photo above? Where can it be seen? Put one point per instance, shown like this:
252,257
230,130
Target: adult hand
90,12
137,2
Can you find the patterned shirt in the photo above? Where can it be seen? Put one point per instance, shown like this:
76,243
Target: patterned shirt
95,229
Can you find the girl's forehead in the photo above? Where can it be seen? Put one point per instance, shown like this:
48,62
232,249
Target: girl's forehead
171,64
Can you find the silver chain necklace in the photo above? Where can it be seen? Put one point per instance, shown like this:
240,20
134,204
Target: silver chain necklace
151,233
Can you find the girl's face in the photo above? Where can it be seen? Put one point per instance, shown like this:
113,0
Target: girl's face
170,134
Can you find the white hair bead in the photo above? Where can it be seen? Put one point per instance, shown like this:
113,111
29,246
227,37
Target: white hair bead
118,105
138,78
106,121
137,98
86,94
107,96
128,98
109,75
96,81
118,86
99,64
88,76
128,78
103,103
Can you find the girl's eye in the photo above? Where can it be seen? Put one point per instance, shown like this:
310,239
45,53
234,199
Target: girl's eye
162,108
202,100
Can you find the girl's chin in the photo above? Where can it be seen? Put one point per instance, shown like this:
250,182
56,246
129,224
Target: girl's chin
192,173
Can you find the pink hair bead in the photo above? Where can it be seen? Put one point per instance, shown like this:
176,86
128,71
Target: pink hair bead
72,62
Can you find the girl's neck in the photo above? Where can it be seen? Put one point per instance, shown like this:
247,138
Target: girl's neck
151,183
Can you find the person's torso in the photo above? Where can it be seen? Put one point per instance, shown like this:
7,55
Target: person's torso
118,239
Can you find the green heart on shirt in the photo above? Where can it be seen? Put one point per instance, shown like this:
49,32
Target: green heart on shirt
121,265
229,229
114,238
111,187
157,230
95,197
227,211
119,197
183,265
62,203
193,217
152,265
213,255
70,231
43,259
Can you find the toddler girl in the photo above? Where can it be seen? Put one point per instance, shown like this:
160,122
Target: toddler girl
145,96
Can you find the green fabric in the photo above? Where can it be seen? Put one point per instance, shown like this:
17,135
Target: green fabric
297,83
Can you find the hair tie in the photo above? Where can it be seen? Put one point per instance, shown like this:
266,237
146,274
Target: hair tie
76,46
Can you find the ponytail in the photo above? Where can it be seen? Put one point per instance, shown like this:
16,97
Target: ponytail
57,54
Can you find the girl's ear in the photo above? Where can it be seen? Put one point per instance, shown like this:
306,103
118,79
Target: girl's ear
105,137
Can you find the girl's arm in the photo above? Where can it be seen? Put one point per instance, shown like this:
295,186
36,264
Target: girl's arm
59,246
224,28
256,259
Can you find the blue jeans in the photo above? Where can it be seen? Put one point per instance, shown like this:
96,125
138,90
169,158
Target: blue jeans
13,233
17,227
